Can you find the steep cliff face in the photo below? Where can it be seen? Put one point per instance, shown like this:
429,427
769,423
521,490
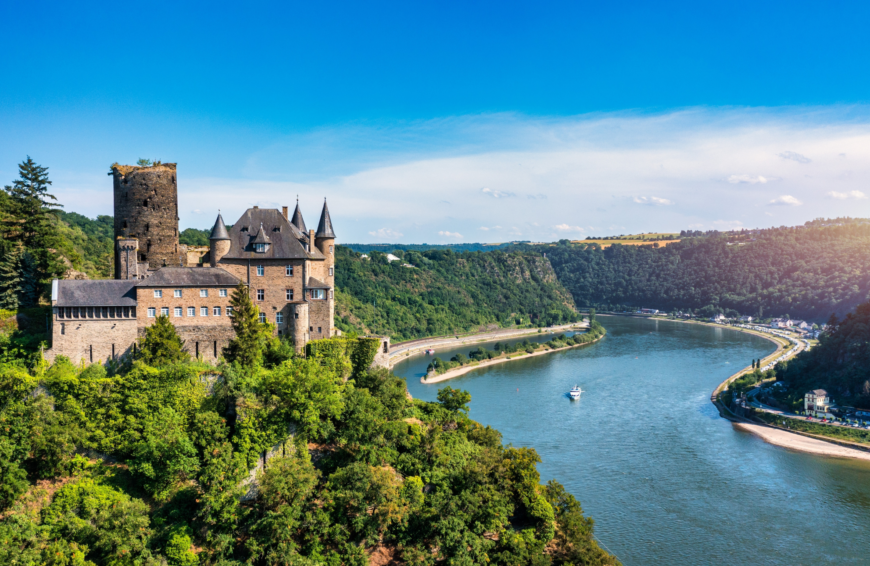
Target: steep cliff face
446,292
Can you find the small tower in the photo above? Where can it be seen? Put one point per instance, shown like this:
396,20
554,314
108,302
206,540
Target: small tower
219,241
325,241
127,252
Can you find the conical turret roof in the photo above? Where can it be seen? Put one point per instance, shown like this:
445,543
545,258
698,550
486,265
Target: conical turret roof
297,219
324,229
219,232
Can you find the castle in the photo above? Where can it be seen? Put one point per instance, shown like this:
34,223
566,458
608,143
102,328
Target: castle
289,269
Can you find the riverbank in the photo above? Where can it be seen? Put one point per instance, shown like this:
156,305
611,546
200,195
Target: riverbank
456,372
800,443
401,351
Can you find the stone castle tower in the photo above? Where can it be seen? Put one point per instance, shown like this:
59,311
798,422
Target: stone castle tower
146,209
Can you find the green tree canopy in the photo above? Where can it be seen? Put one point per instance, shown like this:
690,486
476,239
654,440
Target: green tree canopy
161,344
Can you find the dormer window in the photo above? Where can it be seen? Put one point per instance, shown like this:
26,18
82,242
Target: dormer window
260,248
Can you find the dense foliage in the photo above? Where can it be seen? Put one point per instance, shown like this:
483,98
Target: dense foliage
840,363
805,272
151,465
447,292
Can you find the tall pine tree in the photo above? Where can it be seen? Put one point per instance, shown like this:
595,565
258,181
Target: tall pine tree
251,334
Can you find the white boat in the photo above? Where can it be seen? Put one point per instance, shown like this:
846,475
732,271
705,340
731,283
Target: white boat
575,392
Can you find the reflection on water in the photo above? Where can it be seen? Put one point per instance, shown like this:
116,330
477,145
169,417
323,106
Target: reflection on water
666,480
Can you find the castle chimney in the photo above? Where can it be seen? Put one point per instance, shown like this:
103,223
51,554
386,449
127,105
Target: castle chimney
311,240
284,211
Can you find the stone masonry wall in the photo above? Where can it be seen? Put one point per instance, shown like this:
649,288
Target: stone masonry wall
205,341
146,207
190,297
91,339
274,282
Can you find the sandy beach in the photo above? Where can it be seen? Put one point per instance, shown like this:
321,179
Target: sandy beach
465,369
802,443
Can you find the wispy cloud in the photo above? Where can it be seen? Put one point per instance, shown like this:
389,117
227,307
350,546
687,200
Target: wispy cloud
497,194
795,156
386,234
858,195
568,228
447,234
785,200
539,196
654,201
487,229
747,179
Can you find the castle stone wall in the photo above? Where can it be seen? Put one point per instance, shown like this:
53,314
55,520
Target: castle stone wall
146,207
91,339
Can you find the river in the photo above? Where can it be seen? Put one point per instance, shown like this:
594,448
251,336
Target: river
665,478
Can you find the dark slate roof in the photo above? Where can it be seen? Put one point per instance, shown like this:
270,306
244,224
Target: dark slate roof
219,232
261,236
284,237
297,219
324,229
316,284
190,277
101,293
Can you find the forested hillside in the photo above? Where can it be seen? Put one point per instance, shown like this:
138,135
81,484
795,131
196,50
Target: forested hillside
447,292
807,272
840,363
151,462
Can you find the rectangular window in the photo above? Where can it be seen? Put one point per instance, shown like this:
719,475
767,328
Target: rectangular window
319,329
178,311
216,311
222,292
288,271
260,247
331,249
318,294
261,294
331,271
296,315
164,311
289,294
330,293
203,311
152,312
191,311
260,270
177,293
229,311
262,317
158,293
279,318
203,293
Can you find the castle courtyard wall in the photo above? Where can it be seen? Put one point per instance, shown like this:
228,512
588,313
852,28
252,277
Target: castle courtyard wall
91,340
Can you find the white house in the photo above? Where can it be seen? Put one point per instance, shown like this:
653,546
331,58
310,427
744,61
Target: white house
746,319
391,258
800,324
718,318
780,323
817,402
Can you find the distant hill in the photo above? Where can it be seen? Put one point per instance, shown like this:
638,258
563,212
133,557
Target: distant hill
805,272
447,292
391,248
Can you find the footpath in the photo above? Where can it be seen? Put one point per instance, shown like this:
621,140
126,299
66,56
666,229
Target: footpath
403,350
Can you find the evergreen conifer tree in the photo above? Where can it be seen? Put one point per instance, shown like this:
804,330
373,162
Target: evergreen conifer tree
30,284
161,344
32,207
10,281
251,334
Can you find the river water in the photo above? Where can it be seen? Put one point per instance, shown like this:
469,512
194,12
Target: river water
665,478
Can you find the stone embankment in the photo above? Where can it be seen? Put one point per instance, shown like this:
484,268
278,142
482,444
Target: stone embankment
400,351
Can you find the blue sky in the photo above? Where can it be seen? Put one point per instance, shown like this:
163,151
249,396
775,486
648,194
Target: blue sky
427,122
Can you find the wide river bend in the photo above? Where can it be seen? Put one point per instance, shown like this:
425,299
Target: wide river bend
665,478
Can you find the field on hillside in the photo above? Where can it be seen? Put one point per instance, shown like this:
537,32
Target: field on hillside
625,242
